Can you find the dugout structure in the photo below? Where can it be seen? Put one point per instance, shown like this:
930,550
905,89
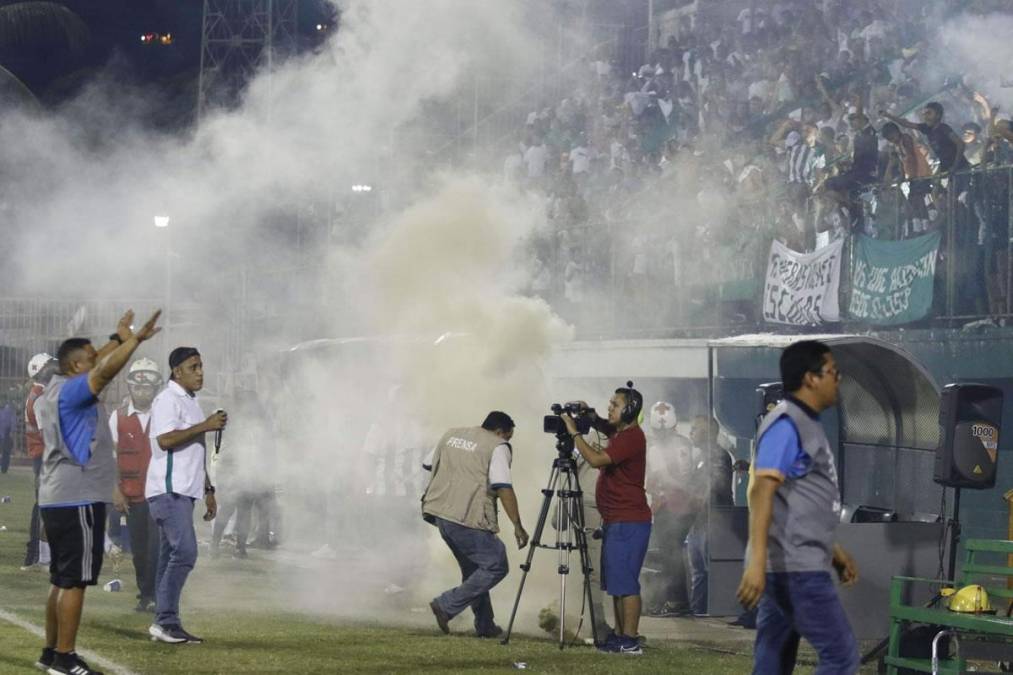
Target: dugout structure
885,431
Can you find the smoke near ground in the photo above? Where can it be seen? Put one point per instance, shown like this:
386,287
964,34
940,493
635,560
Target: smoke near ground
436,281
447,261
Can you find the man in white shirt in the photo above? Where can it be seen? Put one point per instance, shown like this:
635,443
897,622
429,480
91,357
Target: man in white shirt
176,478
536,157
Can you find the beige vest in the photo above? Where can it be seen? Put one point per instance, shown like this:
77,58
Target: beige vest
459,488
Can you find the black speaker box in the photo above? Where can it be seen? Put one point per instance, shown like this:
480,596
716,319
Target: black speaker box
767,396
970,418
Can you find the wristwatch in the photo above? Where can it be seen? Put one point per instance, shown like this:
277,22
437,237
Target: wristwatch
209,490
116,337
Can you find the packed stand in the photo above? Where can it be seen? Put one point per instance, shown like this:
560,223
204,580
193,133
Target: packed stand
804,123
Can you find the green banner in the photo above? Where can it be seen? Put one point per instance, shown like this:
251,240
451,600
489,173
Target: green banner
891,281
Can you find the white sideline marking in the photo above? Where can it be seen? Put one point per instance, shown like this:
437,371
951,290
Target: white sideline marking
92,657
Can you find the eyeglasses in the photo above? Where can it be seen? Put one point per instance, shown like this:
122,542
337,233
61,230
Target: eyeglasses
833,372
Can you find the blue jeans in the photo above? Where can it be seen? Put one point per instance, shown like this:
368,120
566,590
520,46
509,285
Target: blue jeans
803,604
483,562
697,544
173,514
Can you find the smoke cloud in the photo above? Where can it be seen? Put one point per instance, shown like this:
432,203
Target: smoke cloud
447,260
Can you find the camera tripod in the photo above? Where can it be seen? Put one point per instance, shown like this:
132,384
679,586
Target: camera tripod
570,535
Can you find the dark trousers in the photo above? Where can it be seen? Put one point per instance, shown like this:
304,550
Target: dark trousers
242,506
698,564
6,447
35,525
483,562
144,546
669,531
797,605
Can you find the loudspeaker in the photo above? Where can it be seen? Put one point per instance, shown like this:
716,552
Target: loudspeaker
767,396
970,416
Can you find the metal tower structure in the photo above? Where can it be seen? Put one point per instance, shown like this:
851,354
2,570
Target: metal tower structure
240,37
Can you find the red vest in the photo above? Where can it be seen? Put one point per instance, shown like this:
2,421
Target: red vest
33,436
133,453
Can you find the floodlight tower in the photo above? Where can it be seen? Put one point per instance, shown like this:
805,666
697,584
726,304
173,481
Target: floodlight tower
238,38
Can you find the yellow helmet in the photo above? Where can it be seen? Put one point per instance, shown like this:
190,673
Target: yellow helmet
971,599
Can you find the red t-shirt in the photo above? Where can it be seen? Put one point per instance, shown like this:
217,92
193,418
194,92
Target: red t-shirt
620,490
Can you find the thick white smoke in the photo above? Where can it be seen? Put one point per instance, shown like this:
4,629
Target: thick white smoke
978,48
86,183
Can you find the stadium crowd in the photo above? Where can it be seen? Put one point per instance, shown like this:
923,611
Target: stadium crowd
789,124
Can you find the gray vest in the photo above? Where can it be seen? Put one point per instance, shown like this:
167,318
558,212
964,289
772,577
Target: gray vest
459,489
806,509
63,480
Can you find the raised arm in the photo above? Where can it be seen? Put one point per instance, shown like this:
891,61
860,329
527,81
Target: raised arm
109,364
900,121
835,107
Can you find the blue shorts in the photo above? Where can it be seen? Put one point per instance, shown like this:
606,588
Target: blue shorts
624,547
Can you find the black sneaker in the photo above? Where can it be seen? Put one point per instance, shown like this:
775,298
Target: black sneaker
172,634
191,639
46,660
442,619
493,632
70,664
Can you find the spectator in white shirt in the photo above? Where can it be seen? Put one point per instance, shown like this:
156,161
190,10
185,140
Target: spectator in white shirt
176,478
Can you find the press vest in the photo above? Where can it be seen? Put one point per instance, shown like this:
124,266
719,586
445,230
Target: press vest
806,509
133,453
459,489
63,480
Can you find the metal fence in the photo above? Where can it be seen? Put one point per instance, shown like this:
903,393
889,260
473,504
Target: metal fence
972,210
657,274
31,326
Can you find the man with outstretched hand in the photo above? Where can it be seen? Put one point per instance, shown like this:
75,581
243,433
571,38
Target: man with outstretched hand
77,481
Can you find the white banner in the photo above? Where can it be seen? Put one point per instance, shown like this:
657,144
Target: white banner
801,288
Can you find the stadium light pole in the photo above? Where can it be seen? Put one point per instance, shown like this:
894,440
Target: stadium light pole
162,223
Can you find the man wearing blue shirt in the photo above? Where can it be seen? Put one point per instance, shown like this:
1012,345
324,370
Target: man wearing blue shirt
77,480
794,508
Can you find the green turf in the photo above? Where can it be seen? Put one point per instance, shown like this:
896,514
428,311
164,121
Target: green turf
242,637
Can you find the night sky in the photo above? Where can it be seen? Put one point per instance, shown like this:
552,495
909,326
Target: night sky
115,48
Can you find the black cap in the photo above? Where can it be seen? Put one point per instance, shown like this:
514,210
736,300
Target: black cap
181,354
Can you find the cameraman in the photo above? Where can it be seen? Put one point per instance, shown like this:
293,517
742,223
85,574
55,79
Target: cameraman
471,469
622,502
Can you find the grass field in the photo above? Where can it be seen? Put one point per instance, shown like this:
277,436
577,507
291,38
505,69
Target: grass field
239,607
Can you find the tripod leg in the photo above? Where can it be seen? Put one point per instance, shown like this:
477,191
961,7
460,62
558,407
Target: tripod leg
585,557
533,544
564,543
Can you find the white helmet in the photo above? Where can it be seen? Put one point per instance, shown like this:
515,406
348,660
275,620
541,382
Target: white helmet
144,371
37,363
663,415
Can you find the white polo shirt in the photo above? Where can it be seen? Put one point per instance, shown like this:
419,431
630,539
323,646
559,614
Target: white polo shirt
182,470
